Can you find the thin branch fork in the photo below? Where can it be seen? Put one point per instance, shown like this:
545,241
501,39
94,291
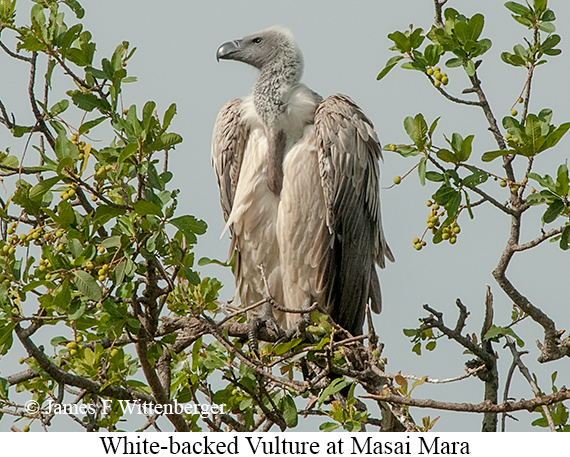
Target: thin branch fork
524,371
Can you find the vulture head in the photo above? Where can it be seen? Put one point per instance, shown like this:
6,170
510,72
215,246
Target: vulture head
267,48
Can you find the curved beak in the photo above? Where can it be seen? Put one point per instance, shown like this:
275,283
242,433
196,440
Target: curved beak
227,50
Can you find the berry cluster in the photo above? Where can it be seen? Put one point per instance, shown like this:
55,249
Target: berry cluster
439,78
448,232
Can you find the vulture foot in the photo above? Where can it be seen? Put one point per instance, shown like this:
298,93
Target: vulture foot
264,319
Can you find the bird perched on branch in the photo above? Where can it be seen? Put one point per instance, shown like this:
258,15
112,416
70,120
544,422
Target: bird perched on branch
299,187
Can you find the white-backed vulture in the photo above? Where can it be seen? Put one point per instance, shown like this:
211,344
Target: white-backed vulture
299,186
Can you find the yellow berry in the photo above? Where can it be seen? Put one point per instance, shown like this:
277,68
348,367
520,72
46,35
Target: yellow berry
437,83
514,112
444,79
392,147
456,229
520,100
503,183
445,235
429,203
397,180
418,246
26,428
452,240
429,71
101,249
416,240
101,278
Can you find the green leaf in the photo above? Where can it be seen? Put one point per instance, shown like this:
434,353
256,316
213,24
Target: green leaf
59,108
464,151
89,102
389,65
550,42
434,176
282,348
433,53
517,8
533,129
422,170
111,242
289,410
417,129
330,426
39,190
168,115
553,211
454,62
190,227
562,180
334,387
416,38
546,27
496,332
143,208
478,177
447,156
512,59
6,336
401,41
87,285
86,126
75,7
166,141
76,309
554,137
565,238
470,68
492,155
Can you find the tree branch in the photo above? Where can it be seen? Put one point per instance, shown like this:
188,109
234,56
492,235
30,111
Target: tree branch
483,407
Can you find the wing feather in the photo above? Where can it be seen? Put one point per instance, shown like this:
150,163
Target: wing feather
348,154
228,145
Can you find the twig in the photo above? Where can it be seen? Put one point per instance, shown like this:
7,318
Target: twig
524,371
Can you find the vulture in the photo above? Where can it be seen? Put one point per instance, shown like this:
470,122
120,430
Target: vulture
298,177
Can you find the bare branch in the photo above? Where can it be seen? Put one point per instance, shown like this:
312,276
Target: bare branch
524,371
538,240
483,407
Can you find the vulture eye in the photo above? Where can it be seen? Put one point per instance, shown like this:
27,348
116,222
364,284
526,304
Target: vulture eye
257,40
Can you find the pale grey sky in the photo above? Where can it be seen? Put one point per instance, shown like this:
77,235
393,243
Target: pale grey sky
345,46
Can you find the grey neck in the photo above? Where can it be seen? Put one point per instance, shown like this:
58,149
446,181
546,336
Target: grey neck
272,84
